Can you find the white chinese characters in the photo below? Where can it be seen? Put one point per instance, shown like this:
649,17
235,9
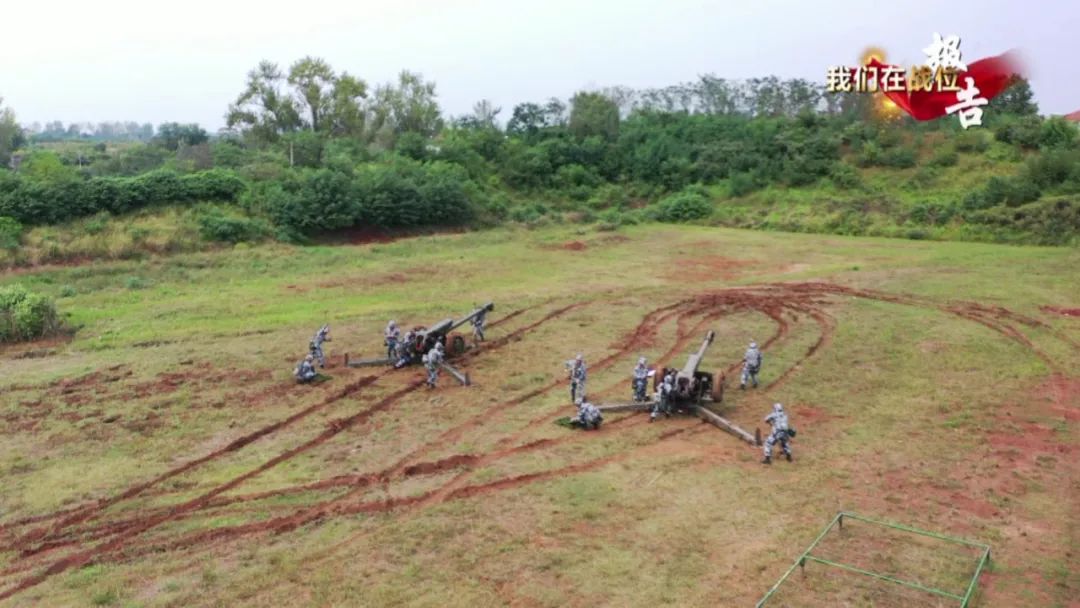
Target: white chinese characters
969,109
944,53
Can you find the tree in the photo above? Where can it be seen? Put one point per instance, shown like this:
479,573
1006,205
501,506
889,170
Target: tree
313,81
527,119
1016,99
264,111
172,135
483,116
11,134
594,114
409,106
345,116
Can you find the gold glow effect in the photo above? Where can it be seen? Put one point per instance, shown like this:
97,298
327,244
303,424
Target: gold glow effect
872,52
886,108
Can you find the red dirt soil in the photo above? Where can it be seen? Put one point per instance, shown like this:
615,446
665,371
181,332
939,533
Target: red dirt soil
1058,310
778,301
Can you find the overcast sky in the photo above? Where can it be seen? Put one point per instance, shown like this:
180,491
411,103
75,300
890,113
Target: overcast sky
185,61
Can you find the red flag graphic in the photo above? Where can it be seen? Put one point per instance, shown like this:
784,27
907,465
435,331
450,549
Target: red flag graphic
992,76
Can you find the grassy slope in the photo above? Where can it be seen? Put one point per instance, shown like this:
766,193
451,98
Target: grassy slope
905,413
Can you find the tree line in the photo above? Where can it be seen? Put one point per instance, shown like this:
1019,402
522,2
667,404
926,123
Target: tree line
312,149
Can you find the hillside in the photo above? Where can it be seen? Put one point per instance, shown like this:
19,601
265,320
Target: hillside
765,153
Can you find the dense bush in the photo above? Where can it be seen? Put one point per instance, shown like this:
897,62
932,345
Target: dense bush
1048,222
33,201
685,206
944,156
400,193
10,233
216,225
25,315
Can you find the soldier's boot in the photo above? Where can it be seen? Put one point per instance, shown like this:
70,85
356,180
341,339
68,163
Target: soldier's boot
742,386
788,456
767,460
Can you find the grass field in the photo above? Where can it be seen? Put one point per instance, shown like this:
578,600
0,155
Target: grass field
164,457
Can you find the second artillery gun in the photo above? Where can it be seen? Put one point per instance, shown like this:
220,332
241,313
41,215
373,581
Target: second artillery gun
422,339
693,392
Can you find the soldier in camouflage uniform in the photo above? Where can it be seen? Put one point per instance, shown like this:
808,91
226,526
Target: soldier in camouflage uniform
305,370
751,365
405,350
432,360
478,325
323,335
663,402
641,380
781,432
589,416
391,337
578,375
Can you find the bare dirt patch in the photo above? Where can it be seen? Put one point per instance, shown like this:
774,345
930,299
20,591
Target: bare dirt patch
1059,310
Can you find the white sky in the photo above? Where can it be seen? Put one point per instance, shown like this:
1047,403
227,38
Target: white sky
185,61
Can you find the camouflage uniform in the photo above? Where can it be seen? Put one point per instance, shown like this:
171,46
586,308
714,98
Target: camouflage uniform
305,371
316,344
751,365
478,326
663,403
780,432
589,416
391,336
404,350
641,380
578,375
432,361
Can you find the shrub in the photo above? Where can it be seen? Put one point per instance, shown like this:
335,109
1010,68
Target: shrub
1049,222
135,283
1053,167
25,315
742,184
945,156
10,233
869,155
1057,132
685,206
215,225
845,176
970,140
899,157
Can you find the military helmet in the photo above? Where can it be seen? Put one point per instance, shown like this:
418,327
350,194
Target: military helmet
641,361
309,358
779,409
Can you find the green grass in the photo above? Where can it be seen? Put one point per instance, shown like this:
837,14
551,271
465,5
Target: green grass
909,414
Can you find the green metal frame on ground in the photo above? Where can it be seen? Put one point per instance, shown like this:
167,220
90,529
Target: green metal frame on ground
839,521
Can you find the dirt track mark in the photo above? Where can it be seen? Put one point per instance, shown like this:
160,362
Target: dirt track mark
77,513
335,427
991,317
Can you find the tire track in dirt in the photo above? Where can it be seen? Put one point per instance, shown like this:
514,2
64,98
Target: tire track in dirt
94,377
233,446
335,427
81,514
489,413
359,483
992,319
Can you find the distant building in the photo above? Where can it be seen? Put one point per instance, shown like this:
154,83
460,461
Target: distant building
16,161
1075,116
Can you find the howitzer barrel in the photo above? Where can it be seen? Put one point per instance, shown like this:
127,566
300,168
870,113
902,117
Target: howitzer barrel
471,316
695,359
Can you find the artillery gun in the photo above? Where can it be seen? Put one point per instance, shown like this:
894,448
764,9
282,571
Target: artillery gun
422,339
693,391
